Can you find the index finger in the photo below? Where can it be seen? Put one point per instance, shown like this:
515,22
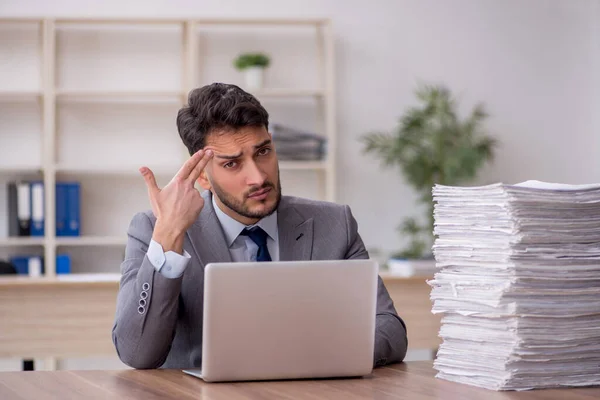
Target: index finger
187,168
200,166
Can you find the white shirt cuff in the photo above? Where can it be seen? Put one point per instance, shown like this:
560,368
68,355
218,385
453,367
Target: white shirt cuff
169,264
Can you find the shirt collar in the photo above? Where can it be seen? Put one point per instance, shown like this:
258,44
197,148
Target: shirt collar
233,228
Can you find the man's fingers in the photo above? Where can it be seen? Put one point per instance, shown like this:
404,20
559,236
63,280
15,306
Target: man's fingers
187,168
149,178
200,166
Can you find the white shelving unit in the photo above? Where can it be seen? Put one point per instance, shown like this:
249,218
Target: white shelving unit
94,99
92,241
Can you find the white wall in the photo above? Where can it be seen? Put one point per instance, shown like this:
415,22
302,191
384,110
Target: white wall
532,63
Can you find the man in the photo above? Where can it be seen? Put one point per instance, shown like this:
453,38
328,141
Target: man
241,216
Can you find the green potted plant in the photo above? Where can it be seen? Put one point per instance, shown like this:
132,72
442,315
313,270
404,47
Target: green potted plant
432,145
253,66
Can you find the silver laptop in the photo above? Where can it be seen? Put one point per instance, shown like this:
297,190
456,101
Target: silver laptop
288,320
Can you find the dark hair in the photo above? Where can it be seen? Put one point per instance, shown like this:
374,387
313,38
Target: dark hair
214,107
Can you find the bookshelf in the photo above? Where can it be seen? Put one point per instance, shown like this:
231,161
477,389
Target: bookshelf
92,100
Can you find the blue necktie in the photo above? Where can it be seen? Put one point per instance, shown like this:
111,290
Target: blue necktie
258,236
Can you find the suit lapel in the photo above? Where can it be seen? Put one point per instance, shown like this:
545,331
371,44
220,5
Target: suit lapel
295,233
207,239
206,236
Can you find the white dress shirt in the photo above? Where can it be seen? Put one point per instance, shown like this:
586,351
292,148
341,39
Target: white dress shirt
241,247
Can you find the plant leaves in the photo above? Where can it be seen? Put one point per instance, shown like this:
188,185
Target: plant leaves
433,145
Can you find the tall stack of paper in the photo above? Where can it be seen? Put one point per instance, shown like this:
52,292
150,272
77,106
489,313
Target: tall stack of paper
518,282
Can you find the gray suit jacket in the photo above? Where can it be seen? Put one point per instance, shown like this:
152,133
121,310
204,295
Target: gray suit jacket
158,321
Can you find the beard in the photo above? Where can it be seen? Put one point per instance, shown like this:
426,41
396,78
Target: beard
241,207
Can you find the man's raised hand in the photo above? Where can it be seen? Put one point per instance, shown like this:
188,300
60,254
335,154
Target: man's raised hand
178,204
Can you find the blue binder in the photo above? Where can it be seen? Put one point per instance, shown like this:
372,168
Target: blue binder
63,264
68,209
21,264
74,209
61,208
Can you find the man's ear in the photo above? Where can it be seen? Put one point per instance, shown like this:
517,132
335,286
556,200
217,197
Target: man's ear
204,181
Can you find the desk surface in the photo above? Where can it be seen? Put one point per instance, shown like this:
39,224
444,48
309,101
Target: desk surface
411,380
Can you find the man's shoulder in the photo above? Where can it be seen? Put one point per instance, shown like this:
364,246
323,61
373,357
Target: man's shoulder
148,213
143,216
304,202
311,208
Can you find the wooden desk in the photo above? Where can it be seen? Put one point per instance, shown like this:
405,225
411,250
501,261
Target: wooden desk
49,317
412,380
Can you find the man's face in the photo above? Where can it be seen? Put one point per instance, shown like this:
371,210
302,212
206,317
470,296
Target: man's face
243,175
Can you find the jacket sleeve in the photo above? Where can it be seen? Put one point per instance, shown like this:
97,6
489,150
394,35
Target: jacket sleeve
391,341
147,303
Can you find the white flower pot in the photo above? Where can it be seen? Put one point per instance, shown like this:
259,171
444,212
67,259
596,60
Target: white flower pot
254,77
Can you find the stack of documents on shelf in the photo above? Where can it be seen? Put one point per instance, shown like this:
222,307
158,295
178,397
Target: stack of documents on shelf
295,145
518,282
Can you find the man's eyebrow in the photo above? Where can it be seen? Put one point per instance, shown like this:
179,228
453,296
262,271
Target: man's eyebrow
227,157
266,142
234,156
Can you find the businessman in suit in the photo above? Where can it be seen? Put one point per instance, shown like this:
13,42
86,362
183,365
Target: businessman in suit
241,216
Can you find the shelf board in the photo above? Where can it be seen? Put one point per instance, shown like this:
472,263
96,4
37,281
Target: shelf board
116,169
89,278
302,165
170,169
20,169
102,279
120,96
12,20
21,241
262,21
91,241
291,93
170,96
19,95
201,21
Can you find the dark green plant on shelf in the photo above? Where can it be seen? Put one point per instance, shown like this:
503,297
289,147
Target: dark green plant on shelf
432,145
247,60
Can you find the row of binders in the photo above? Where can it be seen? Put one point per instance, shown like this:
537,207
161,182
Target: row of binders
33,265
26,208
295,145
